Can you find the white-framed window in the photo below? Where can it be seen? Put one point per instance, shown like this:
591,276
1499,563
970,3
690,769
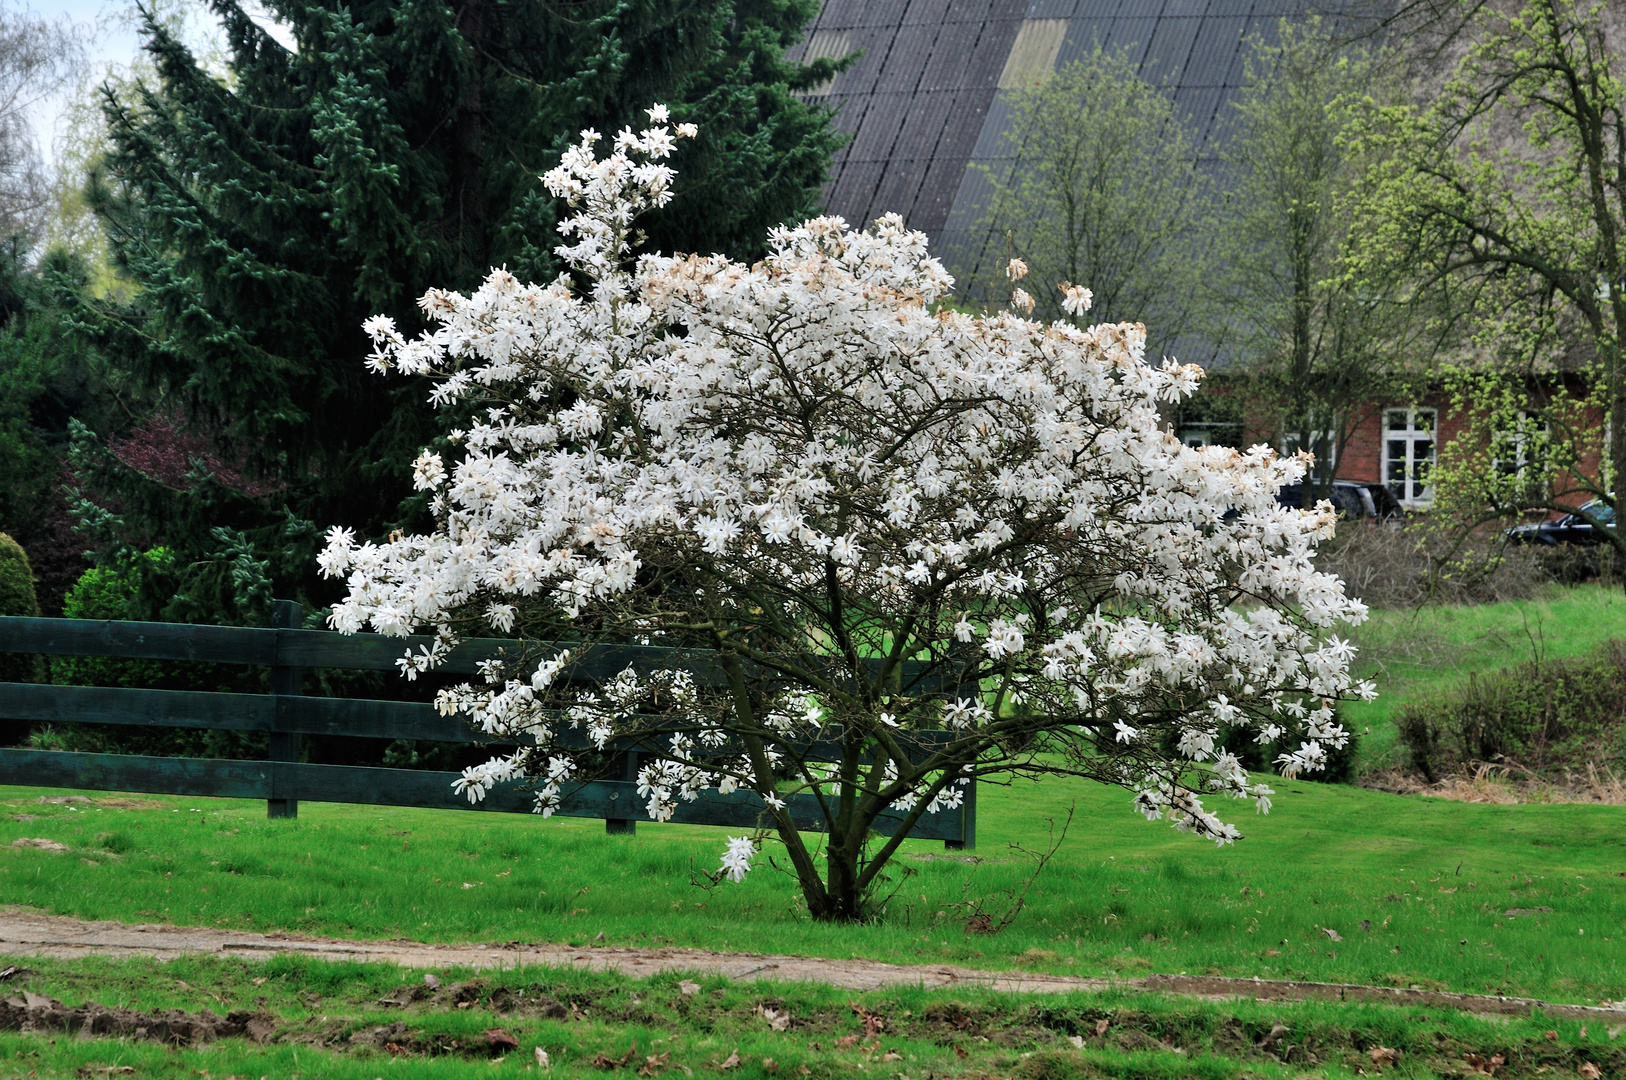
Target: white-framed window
1196,436
1409,448
1324,445
1520,444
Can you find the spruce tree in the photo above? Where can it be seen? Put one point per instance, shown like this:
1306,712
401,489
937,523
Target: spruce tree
263,215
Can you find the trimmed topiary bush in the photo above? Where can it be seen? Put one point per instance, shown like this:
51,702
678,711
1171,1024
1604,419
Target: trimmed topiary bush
108,592
17,598
111,592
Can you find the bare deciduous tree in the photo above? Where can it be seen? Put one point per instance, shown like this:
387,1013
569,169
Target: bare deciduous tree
1104,193
1511,182
38,57
1319,332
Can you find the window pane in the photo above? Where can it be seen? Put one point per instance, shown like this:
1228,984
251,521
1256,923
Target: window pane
1397,419
1423,420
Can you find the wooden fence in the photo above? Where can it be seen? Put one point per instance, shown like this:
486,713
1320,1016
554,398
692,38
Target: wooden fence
284,715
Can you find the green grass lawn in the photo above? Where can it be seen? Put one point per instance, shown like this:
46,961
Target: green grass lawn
1416,888
328,1021
1416,891
1413,652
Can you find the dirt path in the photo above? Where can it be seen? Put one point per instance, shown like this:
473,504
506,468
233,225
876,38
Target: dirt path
25,933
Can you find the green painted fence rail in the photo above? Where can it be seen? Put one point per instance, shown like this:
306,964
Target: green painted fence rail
285,715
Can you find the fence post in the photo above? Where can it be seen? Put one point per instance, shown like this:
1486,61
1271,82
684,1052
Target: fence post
629,772
969,811
285,615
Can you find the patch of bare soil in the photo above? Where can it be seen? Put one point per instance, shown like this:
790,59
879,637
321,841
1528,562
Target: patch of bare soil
29,1013
1507,783
28,933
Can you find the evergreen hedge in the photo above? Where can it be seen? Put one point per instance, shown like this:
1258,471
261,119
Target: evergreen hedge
1548,716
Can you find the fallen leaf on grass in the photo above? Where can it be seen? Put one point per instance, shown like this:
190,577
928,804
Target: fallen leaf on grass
733,1061
1076,1040
542,1059
604,1061
258,980
473,884
1101,1026
874,1024
498,1039
1330,932
891,1055
770,1065
846,1042
689,987
653,1064
962,1055
1382,1055
430,981
779,1021
1589,1070
13,970
1483,1066
1550,1036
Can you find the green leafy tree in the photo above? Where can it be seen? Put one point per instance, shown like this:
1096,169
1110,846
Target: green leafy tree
261,215
1103,193
1320,331
1511,183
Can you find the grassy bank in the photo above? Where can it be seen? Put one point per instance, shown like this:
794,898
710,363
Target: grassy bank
1413,652
339,1021
1416,889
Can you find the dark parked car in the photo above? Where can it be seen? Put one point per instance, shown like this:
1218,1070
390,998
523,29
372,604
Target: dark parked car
1352,500
1569,529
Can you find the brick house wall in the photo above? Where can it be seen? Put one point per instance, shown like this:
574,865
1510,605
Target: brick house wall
1392,443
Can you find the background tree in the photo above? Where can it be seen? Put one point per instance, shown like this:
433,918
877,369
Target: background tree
1511,183
48,378
43,374
38,57
261,214
1320,332
1104,192
874,516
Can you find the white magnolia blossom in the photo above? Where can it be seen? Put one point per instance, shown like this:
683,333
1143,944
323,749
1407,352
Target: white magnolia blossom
811,456
737,858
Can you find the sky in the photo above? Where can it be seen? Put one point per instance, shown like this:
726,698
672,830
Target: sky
108,27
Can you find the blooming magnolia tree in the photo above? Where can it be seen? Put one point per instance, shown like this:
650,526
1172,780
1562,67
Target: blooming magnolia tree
876,515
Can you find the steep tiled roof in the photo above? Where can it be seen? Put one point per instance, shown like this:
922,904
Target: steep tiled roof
926,103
